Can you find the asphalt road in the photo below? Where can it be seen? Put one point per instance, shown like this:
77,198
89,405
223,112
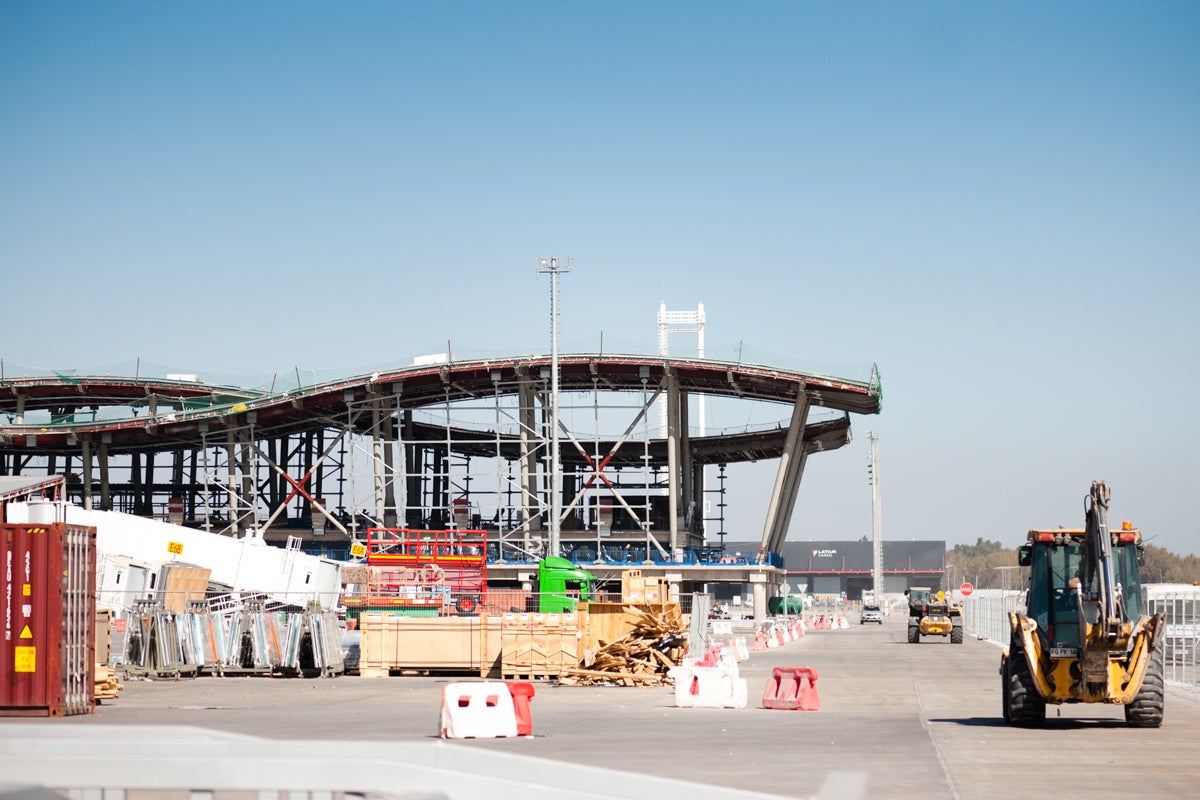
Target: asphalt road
911,721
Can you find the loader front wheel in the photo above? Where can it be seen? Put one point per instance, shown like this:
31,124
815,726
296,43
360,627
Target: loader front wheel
1146,708
1024,706
956,635
914,634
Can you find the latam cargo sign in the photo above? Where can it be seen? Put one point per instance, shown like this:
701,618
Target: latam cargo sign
824,553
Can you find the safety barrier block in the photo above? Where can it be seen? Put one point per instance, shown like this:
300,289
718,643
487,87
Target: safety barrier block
792,689
708,687
522,692
760,640
740,648
477,710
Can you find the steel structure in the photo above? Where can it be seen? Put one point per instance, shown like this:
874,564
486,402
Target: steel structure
450,444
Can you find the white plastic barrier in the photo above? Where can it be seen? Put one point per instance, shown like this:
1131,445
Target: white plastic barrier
477,710
708,687
743,652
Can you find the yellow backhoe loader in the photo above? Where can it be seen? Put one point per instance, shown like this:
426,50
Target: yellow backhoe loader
1083,637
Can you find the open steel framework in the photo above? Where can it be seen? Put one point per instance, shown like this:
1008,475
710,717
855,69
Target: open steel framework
449,444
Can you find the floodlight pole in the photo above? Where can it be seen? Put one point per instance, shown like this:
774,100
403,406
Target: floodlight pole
553,266
876,518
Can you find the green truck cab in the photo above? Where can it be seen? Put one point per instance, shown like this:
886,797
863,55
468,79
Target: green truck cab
562,586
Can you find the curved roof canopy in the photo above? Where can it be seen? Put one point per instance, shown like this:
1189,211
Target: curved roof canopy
170,413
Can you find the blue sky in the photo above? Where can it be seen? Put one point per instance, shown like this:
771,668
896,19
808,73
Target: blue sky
996,203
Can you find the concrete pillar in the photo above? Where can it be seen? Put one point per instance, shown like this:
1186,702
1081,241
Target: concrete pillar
673,459
758,588
105,490
686,495
86,447
412,475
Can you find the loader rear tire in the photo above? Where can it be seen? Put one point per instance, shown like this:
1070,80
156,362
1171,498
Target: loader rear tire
1146,708
1024,706
914,634
956,635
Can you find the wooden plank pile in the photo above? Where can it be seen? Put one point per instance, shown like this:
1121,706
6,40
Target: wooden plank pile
108,685
655,643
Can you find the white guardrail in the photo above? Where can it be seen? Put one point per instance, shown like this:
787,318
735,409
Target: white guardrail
985,616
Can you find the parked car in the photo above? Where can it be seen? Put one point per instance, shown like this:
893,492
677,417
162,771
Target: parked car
871,614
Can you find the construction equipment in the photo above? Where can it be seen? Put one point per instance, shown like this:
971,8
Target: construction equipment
1083,637
930,613
418,572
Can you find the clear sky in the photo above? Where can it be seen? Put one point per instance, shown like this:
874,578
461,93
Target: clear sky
997,203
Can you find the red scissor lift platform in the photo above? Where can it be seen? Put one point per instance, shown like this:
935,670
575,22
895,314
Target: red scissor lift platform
444,571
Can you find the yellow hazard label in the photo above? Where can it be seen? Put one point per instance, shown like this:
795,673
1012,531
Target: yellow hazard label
26,590
26,633
358,550
24,659
175,547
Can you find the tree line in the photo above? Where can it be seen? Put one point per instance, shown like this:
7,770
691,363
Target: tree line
991,565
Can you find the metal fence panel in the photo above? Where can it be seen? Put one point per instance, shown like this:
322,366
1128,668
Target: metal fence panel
985,615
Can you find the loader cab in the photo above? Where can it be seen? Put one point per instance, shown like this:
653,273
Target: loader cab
1055,566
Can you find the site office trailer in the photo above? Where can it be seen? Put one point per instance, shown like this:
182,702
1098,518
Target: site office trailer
48,603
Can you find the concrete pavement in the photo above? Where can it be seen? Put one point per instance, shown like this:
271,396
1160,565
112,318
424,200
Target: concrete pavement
907,721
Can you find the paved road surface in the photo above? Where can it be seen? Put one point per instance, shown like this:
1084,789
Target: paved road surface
913,721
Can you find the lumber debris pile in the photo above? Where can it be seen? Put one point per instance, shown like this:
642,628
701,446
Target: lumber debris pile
108,685
656,642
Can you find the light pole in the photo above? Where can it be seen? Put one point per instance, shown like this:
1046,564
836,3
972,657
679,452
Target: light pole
554,266
873,469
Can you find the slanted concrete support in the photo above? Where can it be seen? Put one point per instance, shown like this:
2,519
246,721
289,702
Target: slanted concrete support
790,464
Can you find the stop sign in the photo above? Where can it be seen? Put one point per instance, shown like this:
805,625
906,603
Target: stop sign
966,589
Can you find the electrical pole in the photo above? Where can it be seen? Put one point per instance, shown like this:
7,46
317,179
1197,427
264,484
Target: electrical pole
876,516
554,267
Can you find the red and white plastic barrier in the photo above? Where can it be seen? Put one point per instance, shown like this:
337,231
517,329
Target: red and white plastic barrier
792,688
708,687
486,710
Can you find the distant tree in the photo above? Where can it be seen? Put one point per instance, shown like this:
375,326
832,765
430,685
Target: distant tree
978,563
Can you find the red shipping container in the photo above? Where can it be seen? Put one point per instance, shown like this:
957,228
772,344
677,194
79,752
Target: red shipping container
48,605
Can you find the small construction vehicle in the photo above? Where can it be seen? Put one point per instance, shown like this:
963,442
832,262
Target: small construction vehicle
930,613
1083,637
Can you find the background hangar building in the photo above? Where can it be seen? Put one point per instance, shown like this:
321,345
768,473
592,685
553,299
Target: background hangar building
828,568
